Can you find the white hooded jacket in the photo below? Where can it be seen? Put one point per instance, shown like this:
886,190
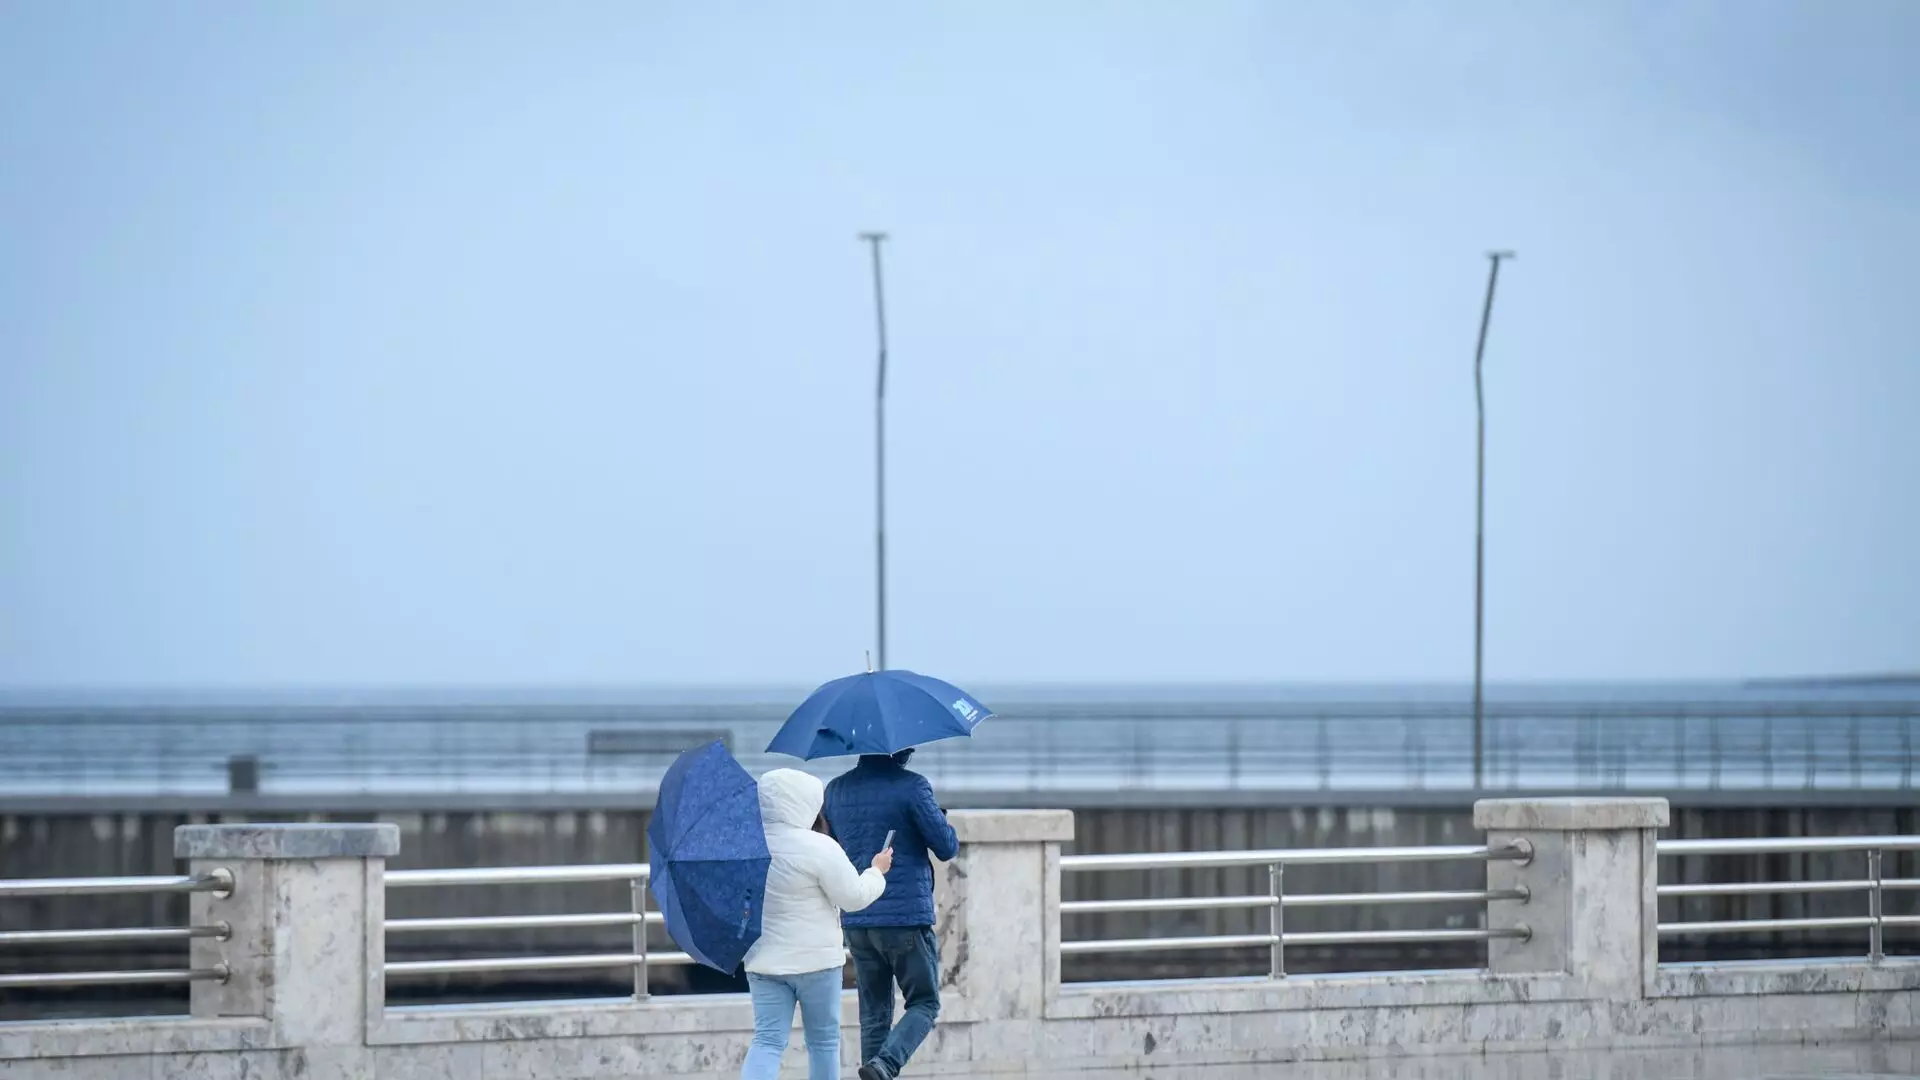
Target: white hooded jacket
809,882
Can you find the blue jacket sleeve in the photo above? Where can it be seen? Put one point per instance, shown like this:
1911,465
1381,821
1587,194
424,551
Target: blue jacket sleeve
932,823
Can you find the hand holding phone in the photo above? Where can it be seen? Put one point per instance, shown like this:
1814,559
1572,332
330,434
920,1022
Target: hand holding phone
883,862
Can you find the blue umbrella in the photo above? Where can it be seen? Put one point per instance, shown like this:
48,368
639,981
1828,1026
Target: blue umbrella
880,712
708,856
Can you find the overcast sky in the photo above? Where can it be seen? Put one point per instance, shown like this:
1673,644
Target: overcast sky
454,343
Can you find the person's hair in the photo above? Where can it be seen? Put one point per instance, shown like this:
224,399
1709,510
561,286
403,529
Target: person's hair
903,756
820,824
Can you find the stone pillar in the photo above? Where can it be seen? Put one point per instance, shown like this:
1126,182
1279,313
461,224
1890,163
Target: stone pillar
1592,876
999,914
304,899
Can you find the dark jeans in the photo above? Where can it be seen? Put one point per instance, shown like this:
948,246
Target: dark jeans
882,957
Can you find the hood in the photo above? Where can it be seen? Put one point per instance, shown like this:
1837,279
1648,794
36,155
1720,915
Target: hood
791,797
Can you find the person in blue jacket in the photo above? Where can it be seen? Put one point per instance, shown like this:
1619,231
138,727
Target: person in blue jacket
892,939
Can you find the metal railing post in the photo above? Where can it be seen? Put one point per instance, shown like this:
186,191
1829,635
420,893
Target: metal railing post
1906,753
640,982
1715,751
1766,752
1812,757
1876,936
1323,752
1276,890
1233,756
1853,751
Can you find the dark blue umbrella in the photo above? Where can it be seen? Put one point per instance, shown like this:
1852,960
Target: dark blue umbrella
708,857
880,712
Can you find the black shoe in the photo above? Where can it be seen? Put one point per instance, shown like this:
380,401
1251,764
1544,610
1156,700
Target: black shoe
876,1070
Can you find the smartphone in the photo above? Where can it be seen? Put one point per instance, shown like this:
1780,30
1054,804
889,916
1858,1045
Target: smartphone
888,842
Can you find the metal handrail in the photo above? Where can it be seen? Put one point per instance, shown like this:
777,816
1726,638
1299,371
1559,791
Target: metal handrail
524,922
1276,901
215,881
1762,888
1333,937
216,973
1737,926
1194,860
536,963
1216,941
374,749
1228,903
518,875
220,931
1875,885
1803,845
638,918
218,882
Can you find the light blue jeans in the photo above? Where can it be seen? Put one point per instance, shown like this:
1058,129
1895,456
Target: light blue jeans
818,995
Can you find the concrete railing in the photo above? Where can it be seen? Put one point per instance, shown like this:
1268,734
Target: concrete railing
1573,964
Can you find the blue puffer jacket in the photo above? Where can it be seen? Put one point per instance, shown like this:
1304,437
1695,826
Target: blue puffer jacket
876,795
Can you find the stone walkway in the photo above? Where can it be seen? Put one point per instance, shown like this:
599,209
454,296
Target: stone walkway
1869,1061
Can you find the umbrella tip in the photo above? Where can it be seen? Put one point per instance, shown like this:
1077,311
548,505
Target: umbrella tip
869,661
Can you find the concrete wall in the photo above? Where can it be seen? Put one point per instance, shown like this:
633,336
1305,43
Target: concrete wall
307,994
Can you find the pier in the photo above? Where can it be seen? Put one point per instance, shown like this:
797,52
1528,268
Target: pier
288,932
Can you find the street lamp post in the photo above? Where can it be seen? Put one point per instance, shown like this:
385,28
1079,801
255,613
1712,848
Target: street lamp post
1480,528
874,240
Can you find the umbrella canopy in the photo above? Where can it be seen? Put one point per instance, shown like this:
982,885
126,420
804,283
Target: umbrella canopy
879,712
708,856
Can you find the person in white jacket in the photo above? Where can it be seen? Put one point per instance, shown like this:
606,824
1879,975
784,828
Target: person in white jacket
801,952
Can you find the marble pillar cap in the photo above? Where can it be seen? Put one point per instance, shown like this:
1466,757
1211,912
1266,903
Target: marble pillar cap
316,841
1570,814
1012,826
